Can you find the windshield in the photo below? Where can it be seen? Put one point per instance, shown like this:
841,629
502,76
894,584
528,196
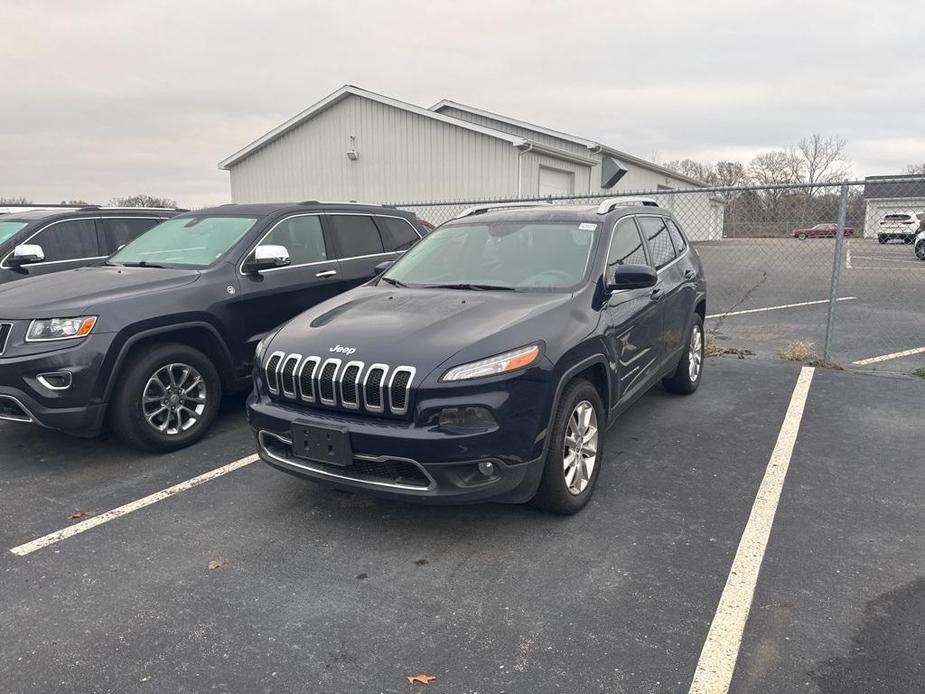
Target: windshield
194,242
498,255
7,229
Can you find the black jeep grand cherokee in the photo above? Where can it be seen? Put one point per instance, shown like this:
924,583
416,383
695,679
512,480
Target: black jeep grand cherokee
150,339
488,361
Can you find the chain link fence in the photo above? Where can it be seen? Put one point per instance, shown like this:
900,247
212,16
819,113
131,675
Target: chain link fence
831,272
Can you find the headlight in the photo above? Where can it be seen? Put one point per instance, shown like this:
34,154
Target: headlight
262,345
509,361
48,329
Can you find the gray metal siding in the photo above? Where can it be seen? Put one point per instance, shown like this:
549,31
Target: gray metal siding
402,156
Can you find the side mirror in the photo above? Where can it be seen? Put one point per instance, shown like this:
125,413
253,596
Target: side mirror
383,266
632,277
267,258
26,254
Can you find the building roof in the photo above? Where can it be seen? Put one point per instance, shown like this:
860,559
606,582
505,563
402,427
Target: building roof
591,145
341,94
879,187
434,114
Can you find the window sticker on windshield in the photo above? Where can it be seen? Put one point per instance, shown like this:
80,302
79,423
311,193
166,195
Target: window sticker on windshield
587,226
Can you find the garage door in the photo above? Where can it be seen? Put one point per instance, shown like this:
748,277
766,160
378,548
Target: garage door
555,182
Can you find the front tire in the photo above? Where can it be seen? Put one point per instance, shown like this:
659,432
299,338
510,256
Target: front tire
686,378
573,460
167,398
801,236
920,250
881,239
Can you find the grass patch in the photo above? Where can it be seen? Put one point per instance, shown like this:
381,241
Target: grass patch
800,351
806,352
919,372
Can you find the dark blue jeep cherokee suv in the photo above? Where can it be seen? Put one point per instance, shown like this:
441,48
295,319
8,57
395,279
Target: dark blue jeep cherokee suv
488,361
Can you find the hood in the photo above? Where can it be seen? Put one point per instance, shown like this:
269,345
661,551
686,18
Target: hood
417,327
74,292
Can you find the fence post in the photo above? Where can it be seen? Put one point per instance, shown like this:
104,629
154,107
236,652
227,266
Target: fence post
836,271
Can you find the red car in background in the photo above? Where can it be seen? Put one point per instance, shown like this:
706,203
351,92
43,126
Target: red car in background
820,230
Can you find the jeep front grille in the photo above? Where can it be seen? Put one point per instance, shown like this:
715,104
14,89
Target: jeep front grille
376,388
5,329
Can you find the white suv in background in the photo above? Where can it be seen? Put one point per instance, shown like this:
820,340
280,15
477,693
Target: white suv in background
900,225
920,244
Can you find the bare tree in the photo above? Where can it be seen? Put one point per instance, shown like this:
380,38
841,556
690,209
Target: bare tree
730,174
15,201
698,170
75,203
142,200
916,169
822,159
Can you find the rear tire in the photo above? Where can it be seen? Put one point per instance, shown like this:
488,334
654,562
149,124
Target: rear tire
575,452
686,378
167,398
881,239
920,250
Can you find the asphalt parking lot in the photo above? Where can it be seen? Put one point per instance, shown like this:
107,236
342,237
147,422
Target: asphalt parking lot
321,591
767,293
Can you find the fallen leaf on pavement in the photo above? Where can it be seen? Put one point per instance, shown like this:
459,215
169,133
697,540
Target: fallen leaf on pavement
421,679
81,514
217,564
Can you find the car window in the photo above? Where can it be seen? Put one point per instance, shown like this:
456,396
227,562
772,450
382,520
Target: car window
626,246
118,232
8,229
356,234
191,241
677,238
397,234
70,240
658,239
302,237
897,217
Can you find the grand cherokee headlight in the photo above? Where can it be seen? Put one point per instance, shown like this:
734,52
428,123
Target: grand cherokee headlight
502,363
48,329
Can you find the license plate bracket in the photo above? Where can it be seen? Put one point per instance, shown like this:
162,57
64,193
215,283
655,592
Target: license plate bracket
329,445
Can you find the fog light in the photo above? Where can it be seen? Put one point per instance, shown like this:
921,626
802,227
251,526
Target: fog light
486,468
465,420
57,380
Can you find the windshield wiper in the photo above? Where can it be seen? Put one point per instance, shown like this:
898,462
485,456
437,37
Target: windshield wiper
476,287
394,283
142,263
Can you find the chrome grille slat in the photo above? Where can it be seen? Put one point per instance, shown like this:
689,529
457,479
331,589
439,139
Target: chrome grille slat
272,371
306,378
287,374
5,330
325,375
377,388
349,380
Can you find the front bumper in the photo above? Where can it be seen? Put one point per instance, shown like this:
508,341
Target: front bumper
77,409
397,459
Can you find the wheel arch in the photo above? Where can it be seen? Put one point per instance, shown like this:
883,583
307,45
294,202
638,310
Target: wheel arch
197,334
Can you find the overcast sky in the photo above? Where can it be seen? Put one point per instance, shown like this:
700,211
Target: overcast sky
103,98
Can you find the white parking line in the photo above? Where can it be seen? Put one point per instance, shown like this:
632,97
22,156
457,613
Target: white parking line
778,308
721,648
887,357
83,526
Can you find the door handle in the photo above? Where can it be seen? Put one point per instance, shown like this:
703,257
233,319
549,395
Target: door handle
326,273
689,274
656,294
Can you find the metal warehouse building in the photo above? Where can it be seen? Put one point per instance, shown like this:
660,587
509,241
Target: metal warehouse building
358,145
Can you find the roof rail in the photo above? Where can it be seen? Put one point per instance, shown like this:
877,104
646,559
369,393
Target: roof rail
88,207
611,203
130,207
346,202
479,209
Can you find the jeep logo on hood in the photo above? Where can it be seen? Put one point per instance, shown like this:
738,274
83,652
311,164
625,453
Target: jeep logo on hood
343,350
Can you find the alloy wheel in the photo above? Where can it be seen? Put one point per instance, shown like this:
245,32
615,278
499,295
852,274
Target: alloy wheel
579,454
695,353
174,399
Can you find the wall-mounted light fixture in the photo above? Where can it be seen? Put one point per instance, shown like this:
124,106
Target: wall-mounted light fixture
352,153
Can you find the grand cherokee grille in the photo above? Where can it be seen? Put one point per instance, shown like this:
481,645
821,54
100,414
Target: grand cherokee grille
4,335
377,388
